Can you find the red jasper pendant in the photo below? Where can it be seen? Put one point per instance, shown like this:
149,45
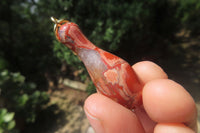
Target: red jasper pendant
112,76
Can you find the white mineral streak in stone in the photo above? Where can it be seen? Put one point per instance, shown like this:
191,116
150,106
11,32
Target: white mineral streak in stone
104,89
112,76
92,61
62,35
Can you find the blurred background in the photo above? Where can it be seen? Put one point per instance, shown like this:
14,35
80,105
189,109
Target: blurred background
43,85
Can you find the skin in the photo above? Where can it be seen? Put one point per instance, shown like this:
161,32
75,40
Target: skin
167,107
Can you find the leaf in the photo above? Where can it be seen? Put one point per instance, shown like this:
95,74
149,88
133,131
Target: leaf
11,125
3,63
23,100
4,73
3,112
17,77
1,130
32,85
8,117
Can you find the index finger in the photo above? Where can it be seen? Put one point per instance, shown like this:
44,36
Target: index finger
147,71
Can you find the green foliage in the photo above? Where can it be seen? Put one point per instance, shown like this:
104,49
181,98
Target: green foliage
65,54
189,13
7,122
124,25
21,97
91,88
26,42
3,63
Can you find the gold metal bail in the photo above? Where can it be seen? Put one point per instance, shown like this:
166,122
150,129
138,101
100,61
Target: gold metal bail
55,20
58,22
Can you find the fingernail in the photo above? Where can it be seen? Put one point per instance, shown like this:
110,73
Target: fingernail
95,122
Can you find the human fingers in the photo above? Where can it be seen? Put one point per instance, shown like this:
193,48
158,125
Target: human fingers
165,101
172,128
107,116
103,109
147,71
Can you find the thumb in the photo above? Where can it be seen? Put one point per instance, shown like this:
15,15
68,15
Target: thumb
107,116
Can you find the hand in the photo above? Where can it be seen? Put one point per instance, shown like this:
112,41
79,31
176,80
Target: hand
167,107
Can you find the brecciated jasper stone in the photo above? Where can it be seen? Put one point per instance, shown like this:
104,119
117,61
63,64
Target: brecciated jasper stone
112,76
